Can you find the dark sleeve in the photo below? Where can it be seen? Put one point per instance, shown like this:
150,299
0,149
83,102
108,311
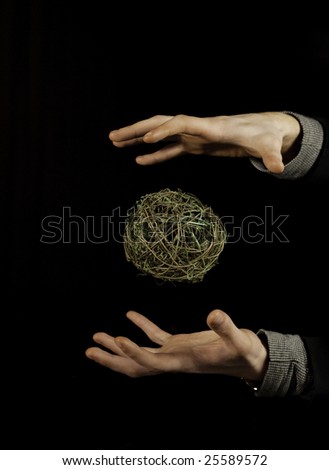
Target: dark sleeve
318,352
318,348
312,165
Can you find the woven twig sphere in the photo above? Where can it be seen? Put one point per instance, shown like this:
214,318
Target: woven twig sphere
172,236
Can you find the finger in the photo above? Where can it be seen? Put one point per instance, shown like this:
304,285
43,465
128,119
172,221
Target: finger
123,365
223,325
107,341
128,143
166,153
160,362
155,333
177,125
137,130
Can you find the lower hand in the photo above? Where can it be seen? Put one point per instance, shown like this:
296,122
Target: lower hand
222,349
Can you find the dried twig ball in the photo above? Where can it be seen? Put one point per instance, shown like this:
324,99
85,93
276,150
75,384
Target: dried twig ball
172,236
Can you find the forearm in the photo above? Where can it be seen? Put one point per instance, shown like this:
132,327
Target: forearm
288,371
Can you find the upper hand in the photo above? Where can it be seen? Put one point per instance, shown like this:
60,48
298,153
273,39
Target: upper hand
268,136
223,349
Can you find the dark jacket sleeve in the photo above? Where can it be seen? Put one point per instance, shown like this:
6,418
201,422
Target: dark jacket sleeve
318,352
318,347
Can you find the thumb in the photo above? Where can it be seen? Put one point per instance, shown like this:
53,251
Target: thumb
272,158
274,163
222,324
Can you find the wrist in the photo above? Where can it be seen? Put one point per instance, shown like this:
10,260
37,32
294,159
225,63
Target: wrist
292,137
258,363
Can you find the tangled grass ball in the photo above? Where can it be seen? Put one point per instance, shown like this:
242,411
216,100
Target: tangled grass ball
172,236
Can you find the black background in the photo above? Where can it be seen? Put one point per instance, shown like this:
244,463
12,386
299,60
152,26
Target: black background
71,73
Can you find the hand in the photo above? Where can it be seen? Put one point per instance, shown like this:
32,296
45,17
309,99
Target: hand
271,136
223,349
